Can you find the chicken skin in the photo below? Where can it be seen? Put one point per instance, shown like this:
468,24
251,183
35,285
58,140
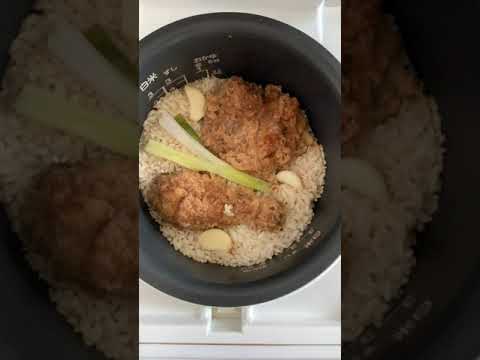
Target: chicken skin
256,130
199,201
84,221
375,75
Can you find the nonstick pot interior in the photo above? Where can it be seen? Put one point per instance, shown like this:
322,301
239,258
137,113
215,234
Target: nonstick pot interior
264,51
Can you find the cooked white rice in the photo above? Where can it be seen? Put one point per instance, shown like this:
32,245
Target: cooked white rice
378,237
107,322
249,246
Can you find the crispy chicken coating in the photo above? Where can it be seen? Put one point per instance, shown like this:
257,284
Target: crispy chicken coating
199,201
256,130
84,222
375,78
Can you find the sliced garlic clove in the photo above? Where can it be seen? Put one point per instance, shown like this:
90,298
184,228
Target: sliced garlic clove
360,176
197,103
215,240
290,178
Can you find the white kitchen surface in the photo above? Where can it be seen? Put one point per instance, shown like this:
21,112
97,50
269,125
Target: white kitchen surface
302,325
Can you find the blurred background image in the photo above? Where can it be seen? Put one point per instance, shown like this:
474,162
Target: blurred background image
409,262
68,180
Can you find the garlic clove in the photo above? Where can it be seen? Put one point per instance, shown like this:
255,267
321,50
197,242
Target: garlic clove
290,178
197,103
215,240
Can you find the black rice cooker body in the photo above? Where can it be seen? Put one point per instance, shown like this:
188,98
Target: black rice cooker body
264,51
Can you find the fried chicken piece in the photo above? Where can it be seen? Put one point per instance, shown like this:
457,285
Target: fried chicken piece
358,16
255,130
374,76
84,222
199,201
